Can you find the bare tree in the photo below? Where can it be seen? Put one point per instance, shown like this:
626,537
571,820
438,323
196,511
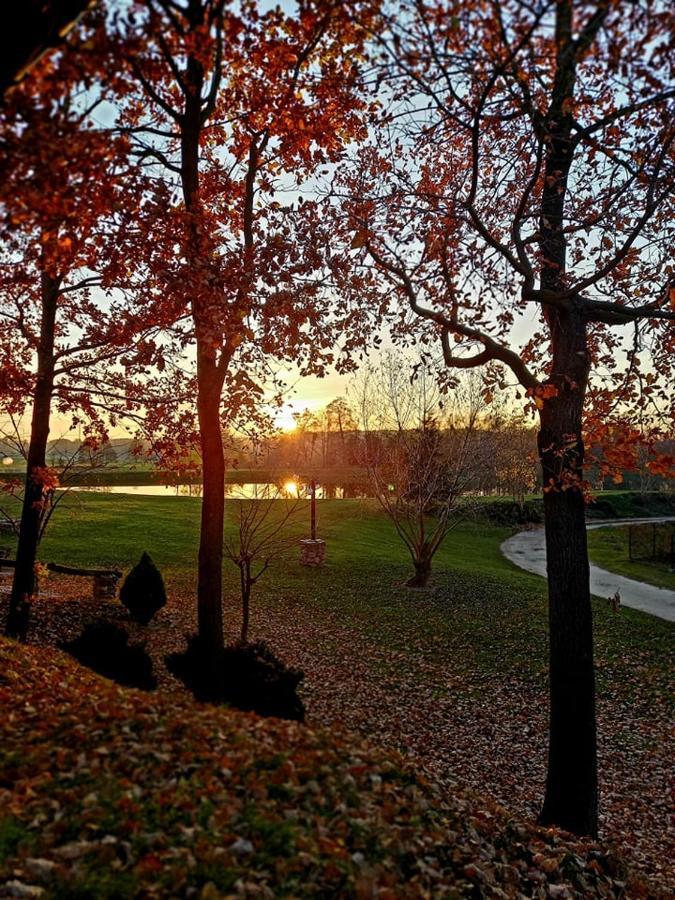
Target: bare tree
421,451
514,450
260,538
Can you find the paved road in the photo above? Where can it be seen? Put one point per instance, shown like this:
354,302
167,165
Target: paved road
528,551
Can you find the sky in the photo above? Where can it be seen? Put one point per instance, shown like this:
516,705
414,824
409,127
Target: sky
310,393
305,393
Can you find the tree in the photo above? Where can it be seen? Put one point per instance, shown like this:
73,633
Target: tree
422,452
229,106
340,417
305,434
527,167
260,538
63,471
514,451
67,201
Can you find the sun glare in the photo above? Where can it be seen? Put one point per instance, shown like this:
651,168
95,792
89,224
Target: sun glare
291,488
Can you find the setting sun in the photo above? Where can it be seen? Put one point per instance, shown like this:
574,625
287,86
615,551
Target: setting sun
291,488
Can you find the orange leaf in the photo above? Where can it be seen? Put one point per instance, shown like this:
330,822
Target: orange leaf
360,239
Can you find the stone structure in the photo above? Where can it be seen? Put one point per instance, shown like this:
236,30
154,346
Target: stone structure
312,552
105,586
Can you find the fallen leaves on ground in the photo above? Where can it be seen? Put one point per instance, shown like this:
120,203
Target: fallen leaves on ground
107,792
464,720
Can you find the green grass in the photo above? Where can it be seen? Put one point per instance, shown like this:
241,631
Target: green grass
608,548
114,529
489,614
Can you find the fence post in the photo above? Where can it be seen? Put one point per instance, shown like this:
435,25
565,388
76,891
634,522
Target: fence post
630,543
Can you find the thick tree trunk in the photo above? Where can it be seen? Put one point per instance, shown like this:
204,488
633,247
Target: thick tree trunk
210,573
571,800
210,375
24,584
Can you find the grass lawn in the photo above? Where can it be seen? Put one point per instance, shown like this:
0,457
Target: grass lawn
608,547
113,529
454,675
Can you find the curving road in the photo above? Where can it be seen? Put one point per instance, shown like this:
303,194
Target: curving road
527,550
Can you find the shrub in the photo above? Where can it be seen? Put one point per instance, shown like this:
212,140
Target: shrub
247,676
104,647
510,512
143,591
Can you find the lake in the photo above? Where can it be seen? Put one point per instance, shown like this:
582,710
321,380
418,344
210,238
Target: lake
244,491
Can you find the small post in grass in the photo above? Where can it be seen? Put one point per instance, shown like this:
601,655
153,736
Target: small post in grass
312,550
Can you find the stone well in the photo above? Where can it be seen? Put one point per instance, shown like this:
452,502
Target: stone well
312,552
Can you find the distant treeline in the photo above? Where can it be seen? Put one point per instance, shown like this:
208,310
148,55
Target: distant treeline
326,445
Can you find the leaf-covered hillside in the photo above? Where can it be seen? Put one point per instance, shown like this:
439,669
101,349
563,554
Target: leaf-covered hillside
112,793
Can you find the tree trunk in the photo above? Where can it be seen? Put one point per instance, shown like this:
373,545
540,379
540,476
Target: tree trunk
210,573
422,573
571,800
245,602
24,583
210,376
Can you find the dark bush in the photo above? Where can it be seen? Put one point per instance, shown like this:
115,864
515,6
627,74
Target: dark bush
510,512
104,647
143,590
247,676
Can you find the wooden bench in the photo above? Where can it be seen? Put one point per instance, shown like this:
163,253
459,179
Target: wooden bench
104,581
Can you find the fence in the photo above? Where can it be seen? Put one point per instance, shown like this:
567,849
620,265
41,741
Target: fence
652,541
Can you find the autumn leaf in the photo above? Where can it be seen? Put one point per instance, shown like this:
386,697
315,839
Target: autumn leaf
360,239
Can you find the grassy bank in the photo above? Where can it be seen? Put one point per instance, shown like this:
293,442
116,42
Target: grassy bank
362,580
608,548
605,505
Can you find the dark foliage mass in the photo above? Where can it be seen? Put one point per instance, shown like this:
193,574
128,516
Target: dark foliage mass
512,512
143,591
248,676
104,647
